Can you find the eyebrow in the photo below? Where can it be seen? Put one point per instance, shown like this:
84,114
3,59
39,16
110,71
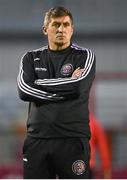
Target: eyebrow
61,22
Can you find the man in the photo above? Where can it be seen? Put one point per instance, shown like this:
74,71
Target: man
56,81
99,143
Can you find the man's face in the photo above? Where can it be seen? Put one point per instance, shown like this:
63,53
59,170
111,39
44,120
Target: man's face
59,32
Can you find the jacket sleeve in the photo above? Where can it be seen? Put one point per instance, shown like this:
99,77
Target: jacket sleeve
27,89
68,87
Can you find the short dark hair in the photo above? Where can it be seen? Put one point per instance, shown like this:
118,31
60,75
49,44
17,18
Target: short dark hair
56,12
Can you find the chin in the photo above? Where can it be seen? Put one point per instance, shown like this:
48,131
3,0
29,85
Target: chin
60,43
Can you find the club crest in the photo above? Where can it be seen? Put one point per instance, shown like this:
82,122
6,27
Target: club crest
67,69
78,167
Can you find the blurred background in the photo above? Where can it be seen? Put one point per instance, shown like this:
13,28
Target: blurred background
99,25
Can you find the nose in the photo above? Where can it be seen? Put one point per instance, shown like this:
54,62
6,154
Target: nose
61,27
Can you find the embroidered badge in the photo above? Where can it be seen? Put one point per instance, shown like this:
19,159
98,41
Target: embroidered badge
67,69
78,167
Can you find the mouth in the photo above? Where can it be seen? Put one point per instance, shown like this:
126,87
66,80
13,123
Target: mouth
60,38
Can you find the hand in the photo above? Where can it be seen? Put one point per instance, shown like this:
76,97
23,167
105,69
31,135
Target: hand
77,73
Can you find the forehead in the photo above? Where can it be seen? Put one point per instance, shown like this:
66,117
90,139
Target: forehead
62,19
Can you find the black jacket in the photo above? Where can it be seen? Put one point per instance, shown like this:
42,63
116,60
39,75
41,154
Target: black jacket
58,103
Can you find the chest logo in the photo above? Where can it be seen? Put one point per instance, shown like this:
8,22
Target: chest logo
40,69
67,69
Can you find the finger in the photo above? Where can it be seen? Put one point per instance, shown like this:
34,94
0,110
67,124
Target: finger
77,69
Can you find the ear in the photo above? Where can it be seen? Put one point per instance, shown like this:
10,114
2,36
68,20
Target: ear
44,30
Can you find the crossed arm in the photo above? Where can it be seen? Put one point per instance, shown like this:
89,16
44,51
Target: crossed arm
39,90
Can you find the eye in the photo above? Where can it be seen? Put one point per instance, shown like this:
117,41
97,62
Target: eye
56,25
66,24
